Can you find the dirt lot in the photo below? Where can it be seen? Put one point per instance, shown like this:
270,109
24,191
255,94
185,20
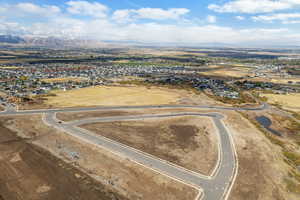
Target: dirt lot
123,95
190,142
29,172
119,175
287,101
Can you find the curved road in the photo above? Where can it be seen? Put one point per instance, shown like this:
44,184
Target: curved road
216,186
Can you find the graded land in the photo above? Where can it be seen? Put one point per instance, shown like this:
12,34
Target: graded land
117,174
190,142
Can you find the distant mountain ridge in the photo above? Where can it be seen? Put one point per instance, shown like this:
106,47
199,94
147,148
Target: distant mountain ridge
54,42
11,39
61,42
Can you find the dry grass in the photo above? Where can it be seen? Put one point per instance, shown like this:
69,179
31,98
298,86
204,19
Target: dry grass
236,72
256,156
288,101
284,80
118,174
63,79
30,172
10,67
117,95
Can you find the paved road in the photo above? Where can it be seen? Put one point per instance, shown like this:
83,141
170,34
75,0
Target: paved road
214,187
12,111
217,186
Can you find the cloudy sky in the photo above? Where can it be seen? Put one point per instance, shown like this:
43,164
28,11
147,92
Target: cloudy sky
253,22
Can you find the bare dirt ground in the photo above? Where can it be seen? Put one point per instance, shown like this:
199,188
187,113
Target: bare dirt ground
262,171
119,175
190,142
29,172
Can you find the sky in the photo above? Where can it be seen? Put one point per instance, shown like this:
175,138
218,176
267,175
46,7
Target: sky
186,22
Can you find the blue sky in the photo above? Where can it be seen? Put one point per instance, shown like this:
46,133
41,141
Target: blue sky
261,22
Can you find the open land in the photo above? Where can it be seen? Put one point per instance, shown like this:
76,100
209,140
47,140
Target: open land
255,180
29,172
120,95
62,79
36,154
287,101
234,71
257,155
131,180
190,142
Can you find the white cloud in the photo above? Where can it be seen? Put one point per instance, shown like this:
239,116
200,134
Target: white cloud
254,6
11,27
86,8
149,13
103,29
240,18
286,18
35,9
99,27
211,19
28,9
122,16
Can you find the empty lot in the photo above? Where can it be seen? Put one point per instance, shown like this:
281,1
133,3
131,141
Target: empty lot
121,176
190,142
29,172
117,95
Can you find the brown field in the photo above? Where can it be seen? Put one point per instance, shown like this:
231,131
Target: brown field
235,72
287,101
162,52
118,174
257,155
10,67
285,80
29,172
190,142
276,80
122,95
63,79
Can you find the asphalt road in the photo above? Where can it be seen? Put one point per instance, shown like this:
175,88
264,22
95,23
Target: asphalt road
213,187
12,111
217,186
